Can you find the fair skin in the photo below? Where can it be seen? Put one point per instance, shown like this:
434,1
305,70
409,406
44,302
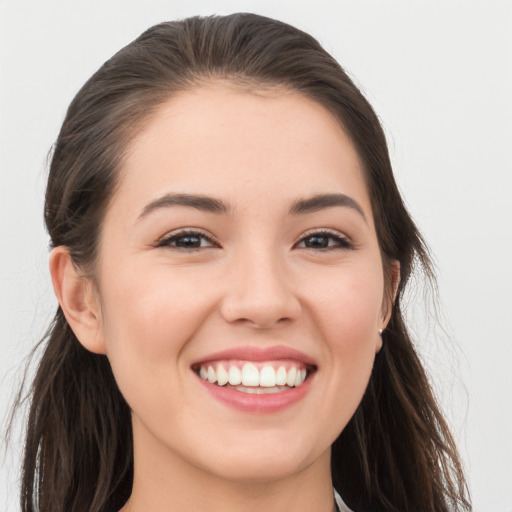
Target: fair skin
252,277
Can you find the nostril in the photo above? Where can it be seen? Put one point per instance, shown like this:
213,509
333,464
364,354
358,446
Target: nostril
264,323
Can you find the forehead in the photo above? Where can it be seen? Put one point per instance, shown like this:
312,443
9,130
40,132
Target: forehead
231,143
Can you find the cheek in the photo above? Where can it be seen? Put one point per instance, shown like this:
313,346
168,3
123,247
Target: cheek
349,305
347,314
147,323
150,318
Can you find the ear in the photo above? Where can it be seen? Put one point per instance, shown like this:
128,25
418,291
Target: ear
78,300
387,307
388,301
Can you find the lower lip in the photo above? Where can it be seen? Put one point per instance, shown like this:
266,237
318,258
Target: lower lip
257,404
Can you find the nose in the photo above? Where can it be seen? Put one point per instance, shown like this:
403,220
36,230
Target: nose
260,293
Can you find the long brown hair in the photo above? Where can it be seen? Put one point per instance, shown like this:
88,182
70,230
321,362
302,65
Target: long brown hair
396,453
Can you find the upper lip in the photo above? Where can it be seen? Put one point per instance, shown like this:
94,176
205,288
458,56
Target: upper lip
259,354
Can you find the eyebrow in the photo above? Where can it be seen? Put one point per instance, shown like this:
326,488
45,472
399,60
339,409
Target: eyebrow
199,202
212,205
323,201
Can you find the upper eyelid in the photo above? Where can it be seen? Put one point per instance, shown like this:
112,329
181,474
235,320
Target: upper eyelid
313,231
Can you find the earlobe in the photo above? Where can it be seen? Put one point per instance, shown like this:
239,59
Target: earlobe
77,300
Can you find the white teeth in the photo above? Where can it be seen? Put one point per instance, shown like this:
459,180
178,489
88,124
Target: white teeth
298,378
290,380
281,376
251,391
267,377
212,376
250,375
235,375
222,376
260,390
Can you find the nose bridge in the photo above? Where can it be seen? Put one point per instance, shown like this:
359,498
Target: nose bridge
259,292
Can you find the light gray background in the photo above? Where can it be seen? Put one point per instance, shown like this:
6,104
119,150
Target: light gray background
439,75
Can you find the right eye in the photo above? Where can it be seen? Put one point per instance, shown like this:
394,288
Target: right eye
187,241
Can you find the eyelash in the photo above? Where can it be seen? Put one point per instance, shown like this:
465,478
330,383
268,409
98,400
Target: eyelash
342,243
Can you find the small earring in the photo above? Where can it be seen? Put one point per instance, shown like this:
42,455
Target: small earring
379,331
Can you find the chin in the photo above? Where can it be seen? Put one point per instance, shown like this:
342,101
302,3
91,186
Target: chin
258,469
266,459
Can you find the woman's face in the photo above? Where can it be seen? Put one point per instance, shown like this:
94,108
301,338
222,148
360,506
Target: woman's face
240,244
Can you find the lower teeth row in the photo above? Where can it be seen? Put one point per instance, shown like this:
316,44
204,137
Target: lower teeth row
258,390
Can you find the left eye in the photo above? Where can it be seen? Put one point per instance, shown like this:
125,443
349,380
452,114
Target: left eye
188,240
324,241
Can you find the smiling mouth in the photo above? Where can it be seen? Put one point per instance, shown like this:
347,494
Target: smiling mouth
255,377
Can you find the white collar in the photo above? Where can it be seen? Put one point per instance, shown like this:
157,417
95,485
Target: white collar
340,503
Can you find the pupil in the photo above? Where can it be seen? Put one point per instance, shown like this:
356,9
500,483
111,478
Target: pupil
317,241
188,241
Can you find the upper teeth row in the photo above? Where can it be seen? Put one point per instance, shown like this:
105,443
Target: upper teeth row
249,375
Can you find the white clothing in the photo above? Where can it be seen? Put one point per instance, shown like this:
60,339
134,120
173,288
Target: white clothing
342,507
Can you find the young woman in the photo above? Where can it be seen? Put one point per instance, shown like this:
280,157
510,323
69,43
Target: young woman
229,255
